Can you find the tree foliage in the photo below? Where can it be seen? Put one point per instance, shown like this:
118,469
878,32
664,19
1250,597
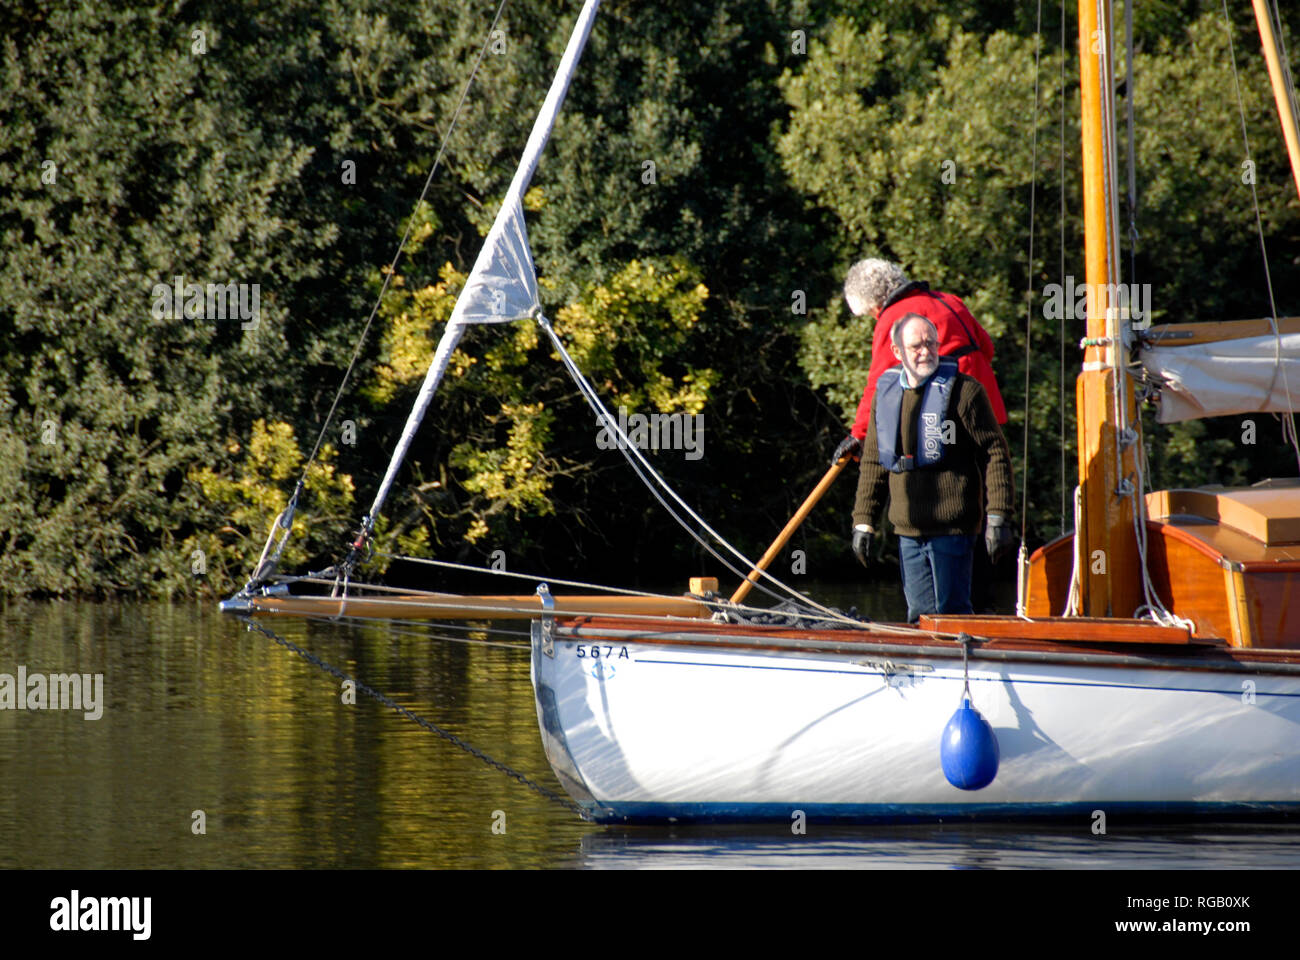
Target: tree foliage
934,167
716,168
238,503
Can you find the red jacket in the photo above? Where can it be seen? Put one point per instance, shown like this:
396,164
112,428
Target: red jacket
960,337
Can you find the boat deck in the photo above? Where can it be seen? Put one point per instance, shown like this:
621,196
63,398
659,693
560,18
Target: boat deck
1120,643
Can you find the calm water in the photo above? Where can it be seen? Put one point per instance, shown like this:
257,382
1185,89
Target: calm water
200,714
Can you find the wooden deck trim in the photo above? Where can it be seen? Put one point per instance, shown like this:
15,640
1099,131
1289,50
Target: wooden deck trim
1197,657
1061,629
1266,566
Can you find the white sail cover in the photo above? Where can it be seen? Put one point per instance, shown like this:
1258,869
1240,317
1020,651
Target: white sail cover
502,285
1223,377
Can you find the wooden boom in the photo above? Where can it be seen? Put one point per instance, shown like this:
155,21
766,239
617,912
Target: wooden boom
450,606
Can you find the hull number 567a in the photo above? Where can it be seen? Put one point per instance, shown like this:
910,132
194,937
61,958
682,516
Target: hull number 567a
597,652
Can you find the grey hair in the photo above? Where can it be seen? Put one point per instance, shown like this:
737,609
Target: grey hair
871,281
896,333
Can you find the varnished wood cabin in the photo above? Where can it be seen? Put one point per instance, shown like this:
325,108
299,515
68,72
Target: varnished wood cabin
1228,559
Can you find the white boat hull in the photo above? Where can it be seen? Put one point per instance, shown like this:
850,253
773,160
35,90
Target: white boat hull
662,731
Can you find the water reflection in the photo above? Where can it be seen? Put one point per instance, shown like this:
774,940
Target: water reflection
945,847
201,715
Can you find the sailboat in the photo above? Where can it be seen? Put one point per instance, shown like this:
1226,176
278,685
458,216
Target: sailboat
1152,669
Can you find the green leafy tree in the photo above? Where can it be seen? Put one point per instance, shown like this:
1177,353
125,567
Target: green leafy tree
509,425
748,150
242,505
127,163
933,168
936,176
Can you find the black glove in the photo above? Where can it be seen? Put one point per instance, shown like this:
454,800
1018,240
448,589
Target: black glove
998,539
862,545
849,445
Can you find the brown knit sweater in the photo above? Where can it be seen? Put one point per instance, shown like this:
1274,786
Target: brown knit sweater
948,498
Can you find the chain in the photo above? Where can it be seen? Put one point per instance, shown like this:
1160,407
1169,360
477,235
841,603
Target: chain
410,715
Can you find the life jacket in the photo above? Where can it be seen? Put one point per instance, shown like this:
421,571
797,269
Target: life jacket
930,413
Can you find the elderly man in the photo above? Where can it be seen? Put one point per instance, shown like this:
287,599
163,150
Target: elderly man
882,289
940,455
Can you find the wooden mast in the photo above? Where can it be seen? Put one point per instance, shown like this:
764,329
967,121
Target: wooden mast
1285,112
1108,426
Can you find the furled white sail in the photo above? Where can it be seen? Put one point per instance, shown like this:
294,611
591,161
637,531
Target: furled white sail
502,286
1225,377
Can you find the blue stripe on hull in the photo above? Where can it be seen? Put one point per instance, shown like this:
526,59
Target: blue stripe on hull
660,813
1229,692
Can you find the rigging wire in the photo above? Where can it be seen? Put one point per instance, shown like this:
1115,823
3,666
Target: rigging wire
1275,15
625,445
1073,595
1022,558
1132,156
1029,293
532,577
1110,178
410,223
1061,269
1288,82
1140,451
407,593
1288,422
1127,433
270,557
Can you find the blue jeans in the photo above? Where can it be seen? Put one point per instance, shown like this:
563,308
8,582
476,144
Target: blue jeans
936,574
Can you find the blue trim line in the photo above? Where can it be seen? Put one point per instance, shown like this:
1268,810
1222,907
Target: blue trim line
935,676
660,813
865,672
